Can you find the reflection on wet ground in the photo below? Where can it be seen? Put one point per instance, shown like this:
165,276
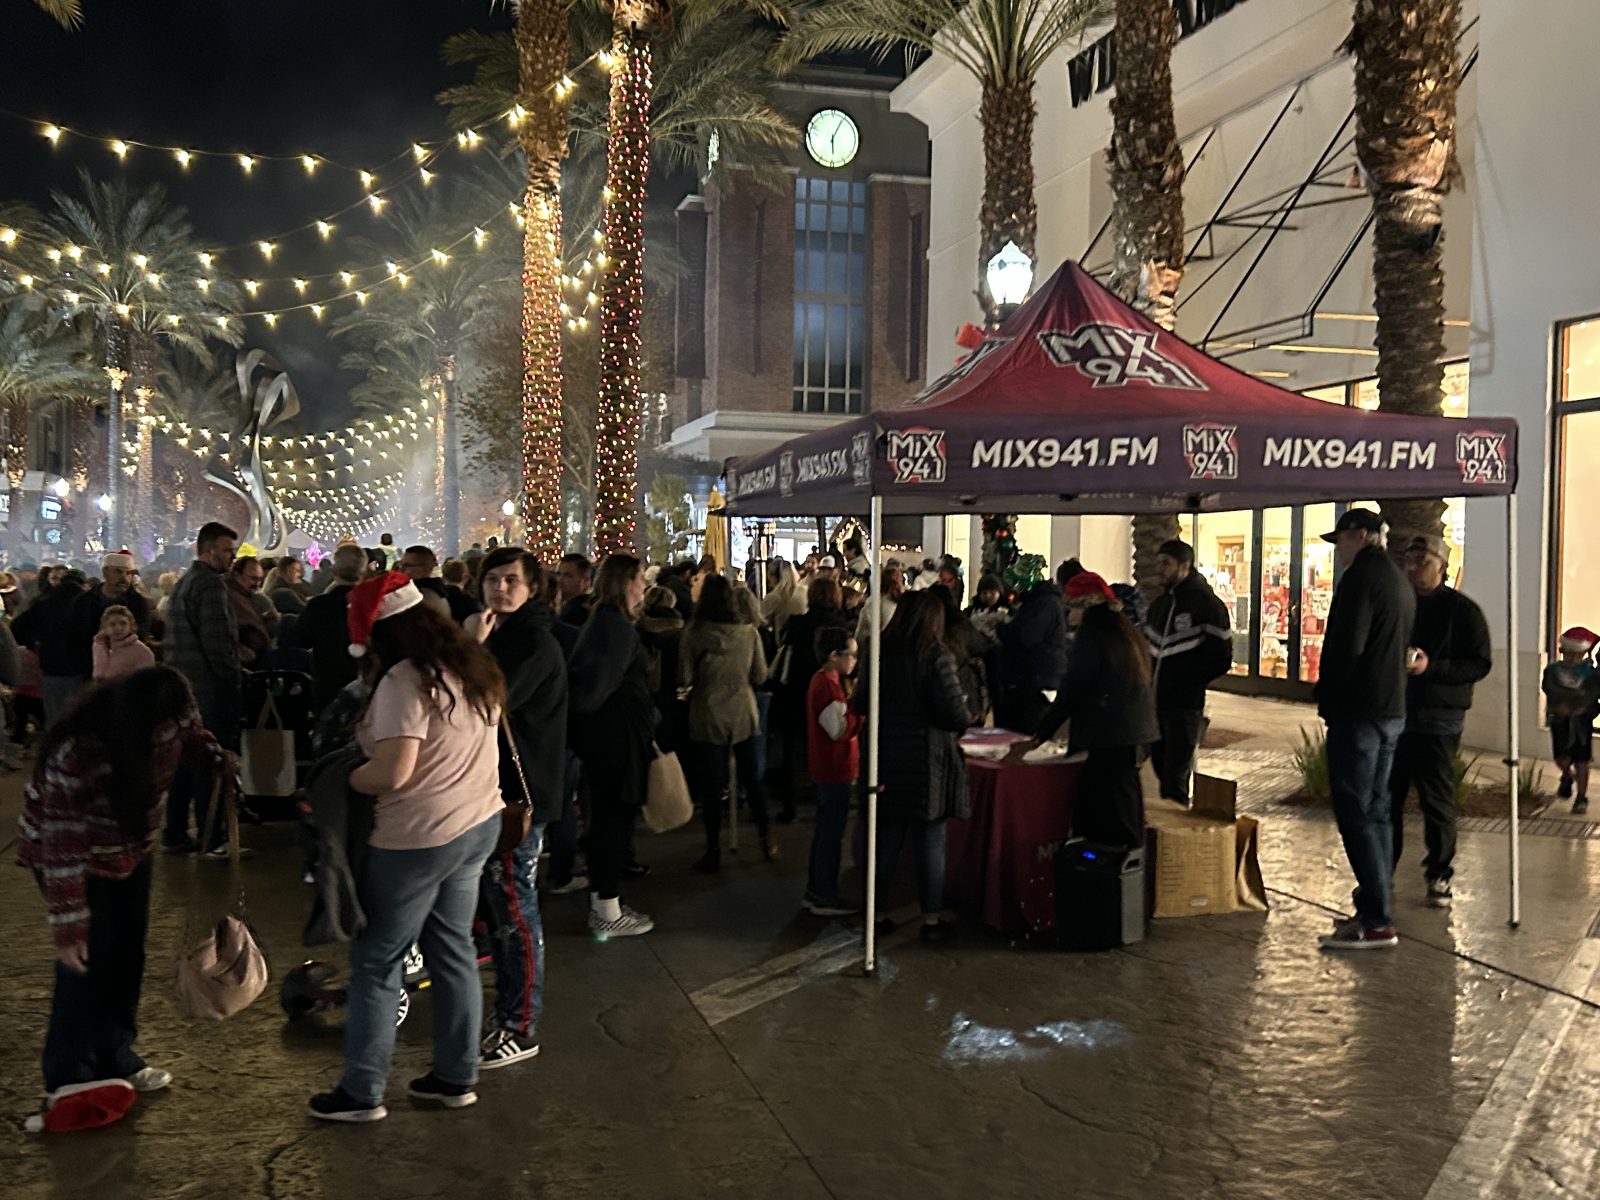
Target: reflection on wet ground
737,1052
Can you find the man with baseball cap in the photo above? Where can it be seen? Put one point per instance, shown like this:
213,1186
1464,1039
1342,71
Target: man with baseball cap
1449,652
1361,694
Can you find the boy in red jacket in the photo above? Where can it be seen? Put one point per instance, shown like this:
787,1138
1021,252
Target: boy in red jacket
833,758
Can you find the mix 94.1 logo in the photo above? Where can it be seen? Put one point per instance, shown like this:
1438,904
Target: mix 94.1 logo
1481,456
1211,450
917,455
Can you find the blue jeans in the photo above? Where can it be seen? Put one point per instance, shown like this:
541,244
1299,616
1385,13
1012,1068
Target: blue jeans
892,835
428,897
191,787
516,934
833,814
1360,759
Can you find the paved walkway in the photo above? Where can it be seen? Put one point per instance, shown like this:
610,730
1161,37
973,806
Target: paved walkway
736,1052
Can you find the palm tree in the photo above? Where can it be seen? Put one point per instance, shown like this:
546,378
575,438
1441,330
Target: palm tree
1146,203
1003,44
127,269
1405,87
439,311
40,362
68,12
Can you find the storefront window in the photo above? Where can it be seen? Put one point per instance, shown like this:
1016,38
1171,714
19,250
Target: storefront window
1575,566
958,541
1277,601
1223,551
1316,587
1333,395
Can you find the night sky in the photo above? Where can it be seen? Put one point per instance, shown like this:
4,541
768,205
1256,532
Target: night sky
350,79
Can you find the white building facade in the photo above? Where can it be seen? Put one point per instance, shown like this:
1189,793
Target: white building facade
1279,283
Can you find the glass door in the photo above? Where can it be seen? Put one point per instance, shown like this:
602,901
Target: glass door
1316,587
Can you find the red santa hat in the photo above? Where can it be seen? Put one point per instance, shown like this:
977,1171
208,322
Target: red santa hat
1087,588
121,558
374,599
1578,640
84,1106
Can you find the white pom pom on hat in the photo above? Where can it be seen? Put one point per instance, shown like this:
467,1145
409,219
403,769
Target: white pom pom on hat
375,599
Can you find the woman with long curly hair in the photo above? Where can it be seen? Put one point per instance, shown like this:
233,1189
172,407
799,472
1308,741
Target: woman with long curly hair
433,766
87,827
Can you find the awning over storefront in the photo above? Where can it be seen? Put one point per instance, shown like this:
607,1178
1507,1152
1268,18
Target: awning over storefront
1081,405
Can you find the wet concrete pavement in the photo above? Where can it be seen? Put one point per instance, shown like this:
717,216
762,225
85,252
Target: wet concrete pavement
733,1053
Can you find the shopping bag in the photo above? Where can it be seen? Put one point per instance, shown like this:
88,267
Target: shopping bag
267,758
667,804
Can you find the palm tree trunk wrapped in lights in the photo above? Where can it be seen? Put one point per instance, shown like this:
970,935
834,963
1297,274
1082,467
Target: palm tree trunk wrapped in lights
542,40
1147,203
18,412
116,368
138,433
1407,77
622,288
450,464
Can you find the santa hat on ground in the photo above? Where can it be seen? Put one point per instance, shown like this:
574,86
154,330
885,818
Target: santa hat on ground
121,558
1086,589
83,1106
374,599
1578,640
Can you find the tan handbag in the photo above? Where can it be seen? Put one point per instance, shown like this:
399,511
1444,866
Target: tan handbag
667,804
220,971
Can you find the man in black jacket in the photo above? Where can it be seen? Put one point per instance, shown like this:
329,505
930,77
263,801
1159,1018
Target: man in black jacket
1033,658
517,627
1191,645
1362,696
45,627
324,628
1449,653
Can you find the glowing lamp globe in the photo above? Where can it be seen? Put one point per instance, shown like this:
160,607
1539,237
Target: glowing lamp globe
1010,275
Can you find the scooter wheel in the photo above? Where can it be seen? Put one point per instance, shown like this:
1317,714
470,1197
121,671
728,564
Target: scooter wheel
308,989
403,1009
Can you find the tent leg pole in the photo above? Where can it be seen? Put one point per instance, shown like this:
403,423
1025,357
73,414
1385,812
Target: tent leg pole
874,694
1514,856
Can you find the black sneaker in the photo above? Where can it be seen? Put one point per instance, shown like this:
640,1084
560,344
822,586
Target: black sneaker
1580,806
932,935
502,1047
187,846
635,870
340,1105
436,1091
1439,893
1564,791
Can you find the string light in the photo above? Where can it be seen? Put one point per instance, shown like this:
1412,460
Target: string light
309,163
119,148
183,157
627,173
52,132
266,249
325,228
247,162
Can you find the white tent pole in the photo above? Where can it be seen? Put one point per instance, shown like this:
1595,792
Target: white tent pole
874,699
1512,723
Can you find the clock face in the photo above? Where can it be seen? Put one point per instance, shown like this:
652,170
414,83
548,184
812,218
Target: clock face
832,138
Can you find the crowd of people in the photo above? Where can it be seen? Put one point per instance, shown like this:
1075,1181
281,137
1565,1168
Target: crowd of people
497,713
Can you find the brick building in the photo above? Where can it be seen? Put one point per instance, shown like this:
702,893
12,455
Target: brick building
804,295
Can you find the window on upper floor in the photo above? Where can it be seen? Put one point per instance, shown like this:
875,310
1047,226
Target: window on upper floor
830,287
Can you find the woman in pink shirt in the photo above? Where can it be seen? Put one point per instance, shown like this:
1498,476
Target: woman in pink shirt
433,767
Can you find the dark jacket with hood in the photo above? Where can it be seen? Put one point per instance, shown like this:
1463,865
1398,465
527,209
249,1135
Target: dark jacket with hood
921,772
536,705
1033,644
1450,629
800,635
1108,707
1364,649
1189,640
661,631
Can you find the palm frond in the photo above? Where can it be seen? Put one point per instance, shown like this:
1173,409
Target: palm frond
68,13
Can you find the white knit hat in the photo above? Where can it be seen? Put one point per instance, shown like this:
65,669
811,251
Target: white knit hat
120,558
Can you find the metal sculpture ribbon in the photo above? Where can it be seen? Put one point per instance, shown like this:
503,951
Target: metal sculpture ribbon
264,402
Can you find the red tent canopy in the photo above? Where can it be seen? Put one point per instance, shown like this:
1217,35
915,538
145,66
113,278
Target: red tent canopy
1079,404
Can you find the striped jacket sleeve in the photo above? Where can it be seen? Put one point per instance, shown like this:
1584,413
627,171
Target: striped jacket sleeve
55,817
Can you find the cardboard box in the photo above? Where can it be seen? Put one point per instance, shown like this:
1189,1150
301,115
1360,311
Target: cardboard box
1203,859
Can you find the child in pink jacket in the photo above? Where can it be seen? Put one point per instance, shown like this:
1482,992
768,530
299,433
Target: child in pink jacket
117,649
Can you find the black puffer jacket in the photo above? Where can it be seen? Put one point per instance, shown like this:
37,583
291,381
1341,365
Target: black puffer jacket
536,705
1364,649
1189,640
921,772
45,627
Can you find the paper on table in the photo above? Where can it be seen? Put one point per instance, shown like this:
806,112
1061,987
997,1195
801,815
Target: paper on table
1053,752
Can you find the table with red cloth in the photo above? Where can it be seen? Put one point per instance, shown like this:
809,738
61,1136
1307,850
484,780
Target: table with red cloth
1000,862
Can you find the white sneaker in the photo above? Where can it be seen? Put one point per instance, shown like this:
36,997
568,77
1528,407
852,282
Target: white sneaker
150,1079
578,883
502,1047
629,924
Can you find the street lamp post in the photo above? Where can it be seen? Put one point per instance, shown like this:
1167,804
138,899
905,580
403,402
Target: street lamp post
1010,276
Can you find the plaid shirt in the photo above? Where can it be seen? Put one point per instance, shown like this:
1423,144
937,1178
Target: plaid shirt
202,636
70,832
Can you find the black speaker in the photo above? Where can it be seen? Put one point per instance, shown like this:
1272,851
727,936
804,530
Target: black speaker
1100,900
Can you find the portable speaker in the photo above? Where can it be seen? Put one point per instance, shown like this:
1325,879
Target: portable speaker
1100,900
